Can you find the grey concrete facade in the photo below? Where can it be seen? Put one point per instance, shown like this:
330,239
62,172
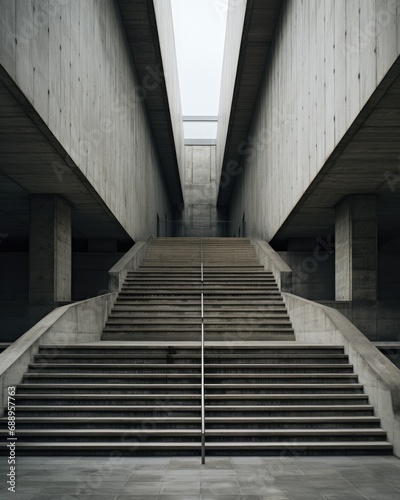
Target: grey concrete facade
200,191
313,89
72,62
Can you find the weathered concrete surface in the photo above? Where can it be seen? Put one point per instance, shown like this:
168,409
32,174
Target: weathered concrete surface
317,324
200,190
356,248
50,252
327,59
72,62
71,324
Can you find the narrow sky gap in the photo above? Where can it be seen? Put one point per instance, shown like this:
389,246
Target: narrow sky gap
199,27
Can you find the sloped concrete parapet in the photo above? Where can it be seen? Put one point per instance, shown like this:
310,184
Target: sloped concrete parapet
129,262
74,323
318,324
274,263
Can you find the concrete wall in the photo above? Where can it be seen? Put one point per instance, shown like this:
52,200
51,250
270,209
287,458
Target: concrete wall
72,61
327,58
378,320
234,28
200,189
311,278
89,271
313,273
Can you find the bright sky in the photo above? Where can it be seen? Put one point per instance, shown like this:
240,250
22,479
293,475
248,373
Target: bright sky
199,27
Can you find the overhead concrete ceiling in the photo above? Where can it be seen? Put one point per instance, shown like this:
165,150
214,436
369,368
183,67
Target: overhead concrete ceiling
32,161
366,161
258,31
141,29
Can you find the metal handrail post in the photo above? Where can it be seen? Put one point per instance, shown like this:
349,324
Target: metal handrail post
201,255
203,416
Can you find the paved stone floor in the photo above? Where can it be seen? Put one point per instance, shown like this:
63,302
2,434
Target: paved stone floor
225,478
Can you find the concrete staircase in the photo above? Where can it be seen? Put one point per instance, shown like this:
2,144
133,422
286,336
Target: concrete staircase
138,391
162,300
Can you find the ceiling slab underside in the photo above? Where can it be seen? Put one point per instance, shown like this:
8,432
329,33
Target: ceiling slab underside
366,161
32,161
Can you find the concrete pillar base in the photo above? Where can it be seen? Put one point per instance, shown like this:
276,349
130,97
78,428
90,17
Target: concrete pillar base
49,249
356,248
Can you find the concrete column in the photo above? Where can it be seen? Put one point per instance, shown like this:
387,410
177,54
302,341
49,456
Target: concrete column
49,249
356,248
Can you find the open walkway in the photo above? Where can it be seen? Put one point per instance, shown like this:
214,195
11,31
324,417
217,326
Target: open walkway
222,478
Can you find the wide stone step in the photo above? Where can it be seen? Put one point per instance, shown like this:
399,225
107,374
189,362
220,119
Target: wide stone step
218,423
244,304
187,280
195,268
227,327
134,349
212,435
190,448
210,369
214,321
227,378
191,314
220,400
208,294
215,359
219,389
205,288
176,336
145,324
211,409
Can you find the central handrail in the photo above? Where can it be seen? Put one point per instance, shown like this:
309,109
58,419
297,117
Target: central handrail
203,425
201,256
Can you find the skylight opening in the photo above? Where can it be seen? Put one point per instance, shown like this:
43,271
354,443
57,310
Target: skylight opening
199,28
